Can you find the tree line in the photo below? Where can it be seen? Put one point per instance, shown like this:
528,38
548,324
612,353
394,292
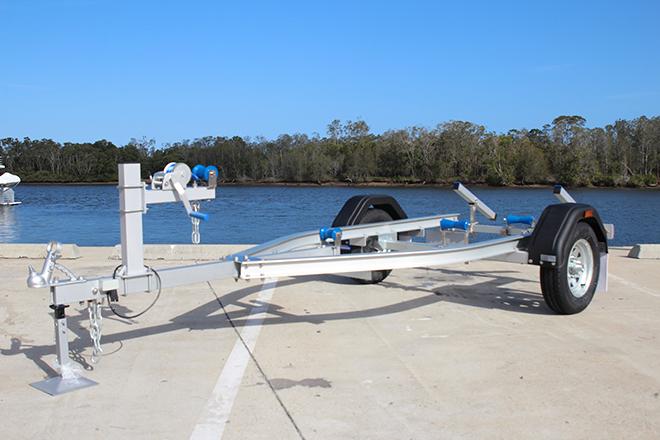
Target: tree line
625,153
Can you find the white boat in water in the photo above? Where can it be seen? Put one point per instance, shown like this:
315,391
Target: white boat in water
7,183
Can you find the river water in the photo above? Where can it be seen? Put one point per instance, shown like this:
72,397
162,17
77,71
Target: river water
88,214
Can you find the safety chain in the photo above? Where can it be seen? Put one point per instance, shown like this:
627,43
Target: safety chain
195,224
95,327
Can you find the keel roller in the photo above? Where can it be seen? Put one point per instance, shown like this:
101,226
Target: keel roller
329,233
446,223
205,173
512,219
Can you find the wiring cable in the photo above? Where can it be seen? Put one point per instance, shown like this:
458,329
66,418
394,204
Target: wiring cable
160,285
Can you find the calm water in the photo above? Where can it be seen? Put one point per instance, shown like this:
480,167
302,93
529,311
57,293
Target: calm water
87,215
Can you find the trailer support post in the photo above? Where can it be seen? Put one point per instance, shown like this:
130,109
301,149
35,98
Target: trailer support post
67,379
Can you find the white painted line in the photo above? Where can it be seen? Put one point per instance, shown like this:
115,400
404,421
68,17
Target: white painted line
635,286
214,417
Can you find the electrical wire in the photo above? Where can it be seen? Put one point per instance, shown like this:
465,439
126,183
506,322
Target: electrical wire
160,285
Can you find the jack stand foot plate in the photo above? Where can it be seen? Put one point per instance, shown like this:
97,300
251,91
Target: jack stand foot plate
58,385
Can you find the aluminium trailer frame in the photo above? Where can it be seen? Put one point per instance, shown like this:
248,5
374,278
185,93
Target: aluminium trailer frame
305,253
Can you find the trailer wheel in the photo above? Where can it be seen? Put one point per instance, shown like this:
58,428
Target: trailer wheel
569,286
373,215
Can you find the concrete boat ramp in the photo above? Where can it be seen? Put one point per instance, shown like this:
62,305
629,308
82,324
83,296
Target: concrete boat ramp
464,351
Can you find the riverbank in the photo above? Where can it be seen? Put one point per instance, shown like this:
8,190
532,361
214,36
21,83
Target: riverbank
355,185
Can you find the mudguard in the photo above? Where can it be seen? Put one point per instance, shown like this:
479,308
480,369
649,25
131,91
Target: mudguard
554,228
357,206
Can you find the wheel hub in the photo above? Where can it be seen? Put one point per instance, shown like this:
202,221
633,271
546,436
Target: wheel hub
580,268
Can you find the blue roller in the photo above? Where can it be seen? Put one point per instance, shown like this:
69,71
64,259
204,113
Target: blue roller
326,233
519,219
199,215
198,171
445,223
208,170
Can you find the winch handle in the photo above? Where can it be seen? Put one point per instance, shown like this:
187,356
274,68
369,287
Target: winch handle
199,215
181,192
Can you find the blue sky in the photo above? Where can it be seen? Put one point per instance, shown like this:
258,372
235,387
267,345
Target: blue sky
86,70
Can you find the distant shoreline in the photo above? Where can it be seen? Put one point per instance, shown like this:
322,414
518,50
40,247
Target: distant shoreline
353,185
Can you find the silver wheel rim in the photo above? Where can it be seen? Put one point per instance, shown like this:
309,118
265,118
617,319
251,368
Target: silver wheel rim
580,268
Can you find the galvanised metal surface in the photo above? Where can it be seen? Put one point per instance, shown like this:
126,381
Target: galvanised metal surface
439,256
408,243
580,269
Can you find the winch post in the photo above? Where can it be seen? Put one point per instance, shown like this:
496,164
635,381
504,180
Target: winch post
131,208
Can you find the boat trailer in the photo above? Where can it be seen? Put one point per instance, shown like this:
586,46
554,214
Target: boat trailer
370,236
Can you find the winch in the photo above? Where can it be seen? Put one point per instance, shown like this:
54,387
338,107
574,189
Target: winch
176,177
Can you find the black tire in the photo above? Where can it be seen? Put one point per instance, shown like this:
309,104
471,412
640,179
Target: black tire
554,280
373,215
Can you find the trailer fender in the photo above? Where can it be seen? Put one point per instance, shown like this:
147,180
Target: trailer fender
356,208
546,245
